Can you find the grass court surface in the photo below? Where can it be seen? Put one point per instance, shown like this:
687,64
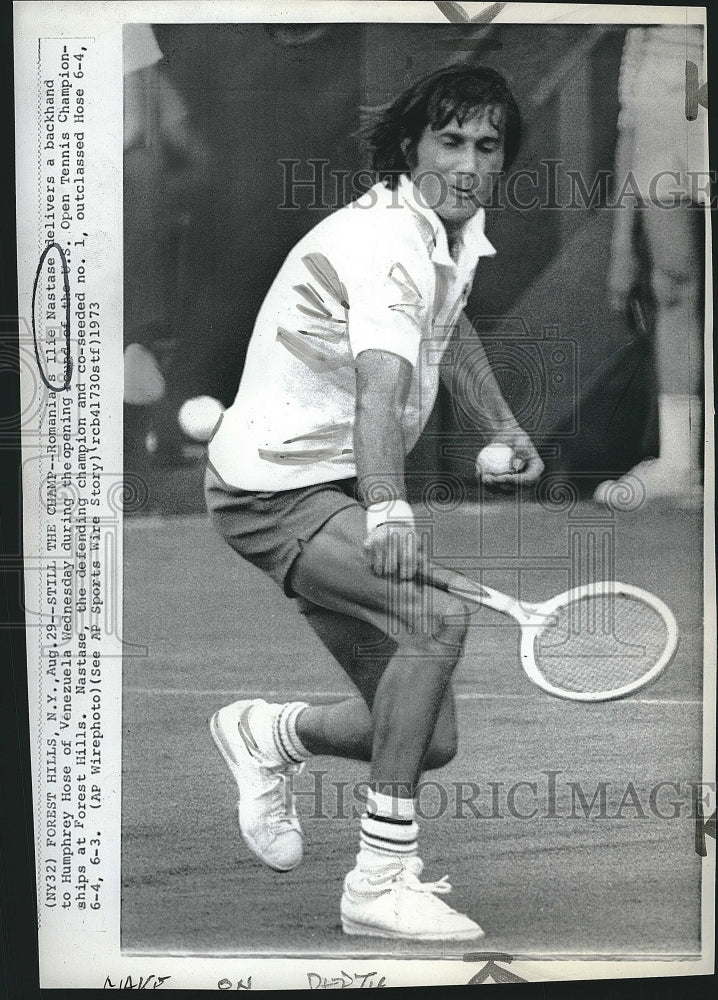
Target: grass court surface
626,882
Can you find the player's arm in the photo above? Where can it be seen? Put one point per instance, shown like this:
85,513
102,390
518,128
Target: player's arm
492,415
383,381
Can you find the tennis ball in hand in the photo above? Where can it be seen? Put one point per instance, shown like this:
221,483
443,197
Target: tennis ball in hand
496,460
198,417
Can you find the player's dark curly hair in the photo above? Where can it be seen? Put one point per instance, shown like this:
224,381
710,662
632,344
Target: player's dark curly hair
453,92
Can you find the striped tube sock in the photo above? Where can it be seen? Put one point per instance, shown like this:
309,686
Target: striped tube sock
284,730
388,829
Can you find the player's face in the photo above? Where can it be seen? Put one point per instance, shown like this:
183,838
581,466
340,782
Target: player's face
455,167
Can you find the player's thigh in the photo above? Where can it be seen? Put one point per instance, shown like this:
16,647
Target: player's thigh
333,572
364,652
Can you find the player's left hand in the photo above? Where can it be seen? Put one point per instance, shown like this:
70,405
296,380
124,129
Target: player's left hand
529,466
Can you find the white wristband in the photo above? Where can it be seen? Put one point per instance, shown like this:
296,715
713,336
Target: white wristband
388,511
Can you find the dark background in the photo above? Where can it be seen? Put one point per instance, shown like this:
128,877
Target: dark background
257,95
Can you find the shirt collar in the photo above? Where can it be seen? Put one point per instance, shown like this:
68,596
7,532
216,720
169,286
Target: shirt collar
474,242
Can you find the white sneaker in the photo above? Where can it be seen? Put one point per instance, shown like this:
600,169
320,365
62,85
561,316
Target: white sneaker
391,902
267,818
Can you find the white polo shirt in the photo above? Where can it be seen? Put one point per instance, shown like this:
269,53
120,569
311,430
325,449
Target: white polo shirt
375,275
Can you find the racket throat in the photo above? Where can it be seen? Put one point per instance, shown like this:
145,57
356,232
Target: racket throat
529,616
476,593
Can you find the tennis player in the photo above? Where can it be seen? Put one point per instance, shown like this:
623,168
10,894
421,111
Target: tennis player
306,480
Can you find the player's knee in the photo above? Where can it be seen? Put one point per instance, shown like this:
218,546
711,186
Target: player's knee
449,621
443,643
439,642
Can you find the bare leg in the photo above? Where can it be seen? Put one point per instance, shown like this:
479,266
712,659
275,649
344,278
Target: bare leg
427,627
399,643
673,238
346,728
624,265
382,894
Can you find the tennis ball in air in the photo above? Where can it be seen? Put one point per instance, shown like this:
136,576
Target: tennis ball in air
495,460
198,417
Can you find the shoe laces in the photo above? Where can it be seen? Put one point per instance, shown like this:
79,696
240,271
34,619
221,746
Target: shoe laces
440,888
408,874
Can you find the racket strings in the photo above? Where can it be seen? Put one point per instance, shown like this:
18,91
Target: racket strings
601,643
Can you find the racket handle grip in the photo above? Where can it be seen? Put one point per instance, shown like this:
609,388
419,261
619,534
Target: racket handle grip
448,580
475,593
435,576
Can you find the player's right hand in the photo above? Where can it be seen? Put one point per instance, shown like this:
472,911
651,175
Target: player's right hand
394,549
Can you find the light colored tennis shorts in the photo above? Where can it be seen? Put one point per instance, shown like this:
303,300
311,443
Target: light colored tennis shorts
268,529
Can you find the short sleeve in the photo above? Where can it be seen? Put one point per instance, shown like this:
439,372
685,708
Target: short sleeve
390,299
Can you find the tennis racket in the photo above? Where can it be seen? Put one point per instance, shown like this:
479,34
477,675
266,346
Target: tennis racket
597,642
